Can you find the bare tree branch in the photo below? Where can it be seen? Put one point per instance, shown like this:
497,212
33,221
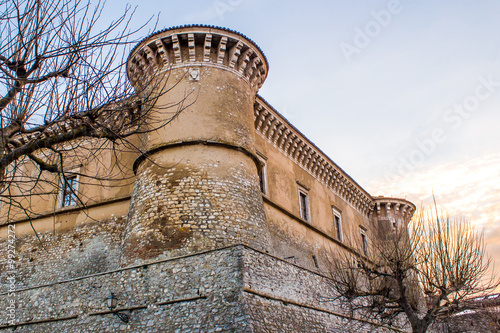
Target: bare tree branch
419,275
66,97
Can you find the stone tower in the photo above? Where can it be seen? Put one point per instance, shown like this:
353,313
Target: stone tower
392,214
197,185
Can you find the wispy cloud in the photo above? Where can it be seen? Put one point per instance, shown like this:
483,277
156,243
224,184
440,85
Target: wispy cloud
469,189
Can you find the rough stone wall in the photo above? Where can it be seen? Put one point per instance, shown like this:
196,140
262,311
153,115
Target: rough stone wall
208,200
283,297
482,321
199,293
235,289
270,316
88,248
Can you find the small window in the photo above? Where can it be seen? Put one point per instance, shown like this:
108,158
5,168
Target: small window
304,205
263,173
69,189
364,241
337,221
263,178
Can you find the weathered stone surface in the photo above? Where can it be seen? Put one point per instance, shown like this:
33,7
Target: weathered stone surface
210,200
235,289
88,248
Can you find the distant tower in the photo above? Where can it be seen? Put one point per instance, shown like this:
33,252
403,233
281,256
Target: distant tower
197,184
391,214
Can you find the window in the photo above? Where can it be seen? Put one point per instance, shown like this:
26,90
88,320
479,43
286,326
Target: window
364,241
337,222
304,204
69,188
263,174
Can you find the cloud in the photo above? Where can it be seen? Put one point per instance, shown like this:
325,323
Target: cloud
469,189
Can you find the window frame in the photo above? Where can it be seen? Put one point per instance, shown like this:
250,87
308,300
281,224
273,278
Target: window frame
70,183
263,174
364,241
337,224
304,207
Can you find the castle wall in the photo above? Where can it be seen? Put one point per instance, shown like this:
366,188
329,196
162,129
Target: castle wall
217,106
234,289
199,293
283,297
66,246
292,235
180,230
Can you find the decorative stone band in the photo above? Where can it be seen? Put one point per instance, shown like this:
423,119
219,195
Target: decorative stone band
387,208
177,144
198,45
284,136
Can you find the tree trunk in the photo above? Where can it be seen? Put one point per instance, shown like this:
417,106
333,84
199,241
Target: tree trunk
419,326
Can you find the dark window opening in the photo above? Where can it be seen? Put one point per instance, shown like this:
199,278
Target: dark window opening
304,206
263,176
338,226
262,182
315,262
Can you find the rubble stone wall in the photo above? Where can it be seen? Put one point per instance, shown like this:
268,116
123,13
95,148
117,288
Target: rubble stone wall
234,289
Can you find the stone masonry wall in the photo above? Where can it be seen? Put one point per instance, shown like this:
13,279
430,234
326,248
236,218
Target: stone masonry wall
235,289
283,297
208,200
199,293
87,248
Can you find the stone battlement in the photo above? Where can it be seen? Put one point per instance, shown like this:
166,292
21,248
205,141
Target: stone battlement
198,45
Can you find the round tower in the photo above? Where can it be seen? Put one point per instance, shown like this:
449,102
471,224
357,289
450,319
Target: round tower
197,182
392,214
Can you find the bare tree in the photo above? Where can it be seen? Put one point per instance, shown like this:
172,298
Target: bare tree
64,85
415,276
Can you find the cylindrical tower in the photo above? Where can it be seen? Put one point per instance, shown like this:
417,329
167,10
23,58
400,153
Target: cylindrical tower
392,214
197,181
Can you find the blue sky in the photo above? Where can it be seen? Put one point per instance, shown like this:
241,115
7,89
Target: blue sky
403,95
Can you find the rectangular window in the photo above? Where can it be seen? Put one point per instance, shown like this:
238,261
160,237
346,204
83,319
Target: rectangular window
263,173
337,221
304,205
69,189
262,179
364,241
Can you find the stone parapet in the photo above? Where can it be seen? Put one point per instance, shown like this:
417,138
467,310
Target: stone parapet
198,45
396,211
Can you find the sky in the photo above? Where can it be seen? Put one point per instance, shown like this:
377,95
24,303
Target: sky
403,95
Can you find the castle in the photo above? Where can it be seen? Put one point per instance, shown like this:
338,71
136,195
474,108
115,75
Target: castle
223,223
